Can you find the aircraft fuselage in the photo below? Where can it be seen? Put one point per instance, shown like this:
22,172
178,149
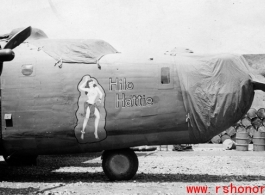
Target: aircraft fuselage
43,106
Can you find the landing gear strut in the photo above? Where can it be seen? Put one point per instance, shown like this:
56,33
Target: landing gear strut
120,164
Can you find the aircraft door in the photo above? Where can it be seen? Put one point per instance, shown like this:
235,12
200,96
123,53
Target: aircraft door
171,101
171,104
167,94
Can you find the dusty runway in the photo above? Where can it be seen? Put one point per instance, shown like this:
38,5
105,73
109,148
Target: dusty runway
160,172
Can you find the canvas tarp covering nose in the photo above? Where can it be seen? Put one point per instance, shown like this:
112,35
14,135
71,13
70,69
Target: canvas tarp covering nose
86,51
215,88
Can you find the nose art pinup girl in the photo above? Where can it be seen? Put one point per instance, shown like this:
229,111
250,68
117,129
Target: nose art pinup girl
90,107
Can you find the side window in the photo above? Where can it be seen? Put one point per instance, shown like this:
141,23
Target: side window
27,70
165,75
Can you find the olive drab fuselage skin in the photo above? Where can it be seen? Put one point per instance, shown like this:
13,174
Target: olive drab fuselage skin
43,104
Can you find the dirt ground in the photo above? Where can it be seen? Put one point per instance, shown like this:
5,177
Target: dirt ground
160,172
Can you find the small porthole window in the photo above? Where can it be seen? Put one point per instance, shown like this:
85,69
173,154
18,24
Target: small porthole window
165,75
27,69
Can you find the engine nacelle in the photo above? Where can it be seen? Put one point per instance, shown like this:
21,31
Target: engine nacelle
6,55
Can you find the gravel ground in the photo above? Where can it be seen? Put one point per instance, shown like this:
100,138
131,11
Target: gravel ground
160,172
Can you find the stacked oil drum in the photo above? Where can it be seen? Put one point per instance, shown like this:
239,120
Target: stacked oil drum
250,129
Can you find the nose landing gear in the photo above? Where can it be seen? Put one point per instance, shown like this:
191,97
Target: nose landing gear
120,164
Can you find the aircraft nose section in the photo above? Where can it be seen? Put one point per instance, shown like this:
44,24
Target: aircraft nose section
216,92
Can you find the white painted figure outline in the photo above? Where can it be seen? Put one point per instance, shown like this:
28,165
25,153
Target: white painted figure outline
92,91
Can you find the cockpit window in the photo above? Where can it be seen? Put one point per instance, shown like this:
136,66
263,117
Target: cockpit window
165,75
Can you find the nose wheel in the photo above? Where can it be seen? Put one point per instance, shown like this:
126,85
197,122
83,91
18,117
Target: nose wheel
120,164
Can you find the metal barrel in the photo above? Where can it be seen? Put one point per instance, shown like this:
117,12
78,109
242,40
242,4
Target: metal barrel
246,122
261,113
216,139
242,141
252,113
231,131
241,129
256,122
258,141
229,144
225,137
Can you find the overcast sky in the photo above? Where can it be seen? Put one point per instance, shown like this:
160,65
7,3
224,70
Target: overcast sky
204,26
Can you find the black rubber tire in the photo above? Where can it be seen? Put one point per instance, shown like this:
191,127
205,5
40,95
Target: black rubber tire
120,164
18,160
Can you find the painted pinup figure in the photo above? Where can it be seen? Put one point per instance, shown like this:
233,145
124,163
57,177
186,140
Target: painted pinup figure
90,107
